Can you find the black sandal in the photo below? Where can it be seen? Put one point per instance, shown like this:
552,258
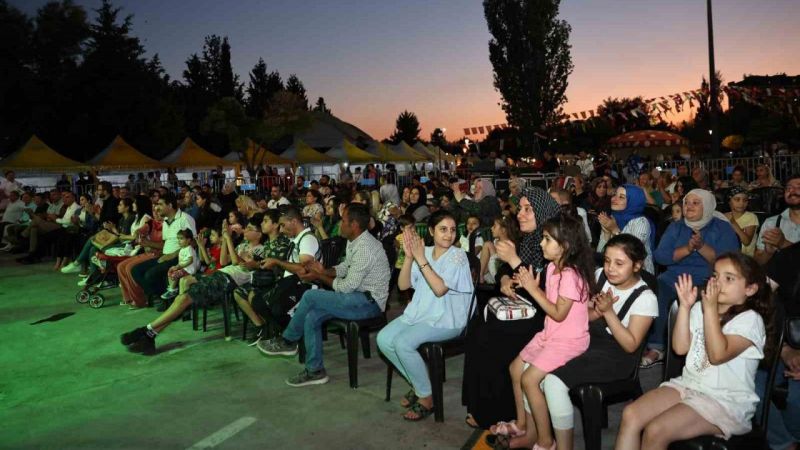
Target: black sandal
411,398
420,410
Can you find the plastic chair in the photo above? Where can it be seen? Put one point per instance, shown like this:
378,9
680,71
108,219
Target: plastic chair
227,300
353,331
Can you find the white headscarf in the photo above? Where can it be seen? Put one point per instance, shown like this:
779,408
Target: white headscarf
709,209
487,189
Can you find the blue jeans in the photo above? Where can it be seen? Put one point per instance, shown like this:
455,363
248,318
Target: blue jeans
399,341
666,295
783,427
318,306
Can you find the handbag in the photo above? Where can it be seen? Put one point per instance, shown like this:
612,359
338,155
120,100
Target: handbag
103,239
505,308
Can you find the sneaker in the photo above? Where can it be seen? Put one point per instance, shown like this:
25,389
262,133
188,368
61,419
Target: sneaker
169,293
84,275
99,262
73,267
6,248
276,347
82,282
306,378
145,345
258,338
132,336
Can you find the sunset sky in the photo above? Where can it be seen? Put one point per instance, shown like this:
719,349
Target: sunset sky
373,59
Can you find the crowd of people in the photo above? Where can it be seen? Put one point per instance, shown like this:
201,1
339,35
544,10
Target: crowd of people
577,280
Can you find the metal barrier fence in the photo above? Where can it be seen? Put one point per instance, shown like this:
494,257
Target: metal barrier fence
782,166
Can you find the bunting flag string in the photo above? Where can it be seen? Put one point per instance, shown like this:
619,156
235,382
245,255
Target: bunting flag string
662,106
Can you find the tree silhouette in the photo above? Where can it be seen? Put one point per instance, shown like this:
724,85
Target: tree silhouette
406,128
530,54
321,106
295,86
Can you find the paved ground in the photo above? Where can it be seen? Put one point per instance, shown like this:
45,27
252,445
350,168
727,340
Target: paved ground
67,383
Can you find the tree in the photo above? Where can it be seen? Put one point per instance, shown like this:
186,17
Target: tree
217,60
295,86
438,138
284,114
321,106
530,54
406,128
617,113
16,34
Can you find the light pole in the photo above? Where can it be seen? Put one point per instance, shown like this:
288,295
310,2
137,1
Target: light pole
712,83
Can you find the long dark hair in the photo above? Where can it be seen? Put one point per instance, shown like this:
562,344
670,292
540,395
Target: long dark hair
143,206
760,302
577,253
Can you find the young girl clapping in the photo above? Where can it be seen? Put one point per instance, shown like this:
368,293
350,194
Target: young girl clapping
723,339
569,280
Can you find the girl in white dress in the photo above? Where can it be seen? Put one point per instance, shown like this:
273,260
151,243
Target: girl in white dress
723,338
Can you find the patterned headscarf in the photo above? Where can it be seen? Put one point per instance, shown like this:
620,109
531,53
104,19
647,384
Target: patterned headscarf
734,191
544,209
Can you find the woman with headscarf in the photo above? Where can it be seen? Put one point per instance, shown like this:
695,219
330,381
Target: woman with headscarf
417,206
491,343
627,216
689,246
484,205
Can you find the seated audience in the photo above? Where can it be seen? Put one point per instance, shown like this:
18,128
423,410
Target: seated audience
627,216
360,291
744,222
505,228
781,231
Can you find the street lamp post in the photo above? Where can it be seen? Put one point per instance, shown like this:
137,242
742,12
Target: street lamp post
713,103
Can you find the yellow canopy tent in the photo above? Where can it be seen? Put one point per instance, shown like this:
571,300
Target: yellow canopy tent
411,154
347,152
36,156
262,156
189,154
383,152
424,151
121,155
303,154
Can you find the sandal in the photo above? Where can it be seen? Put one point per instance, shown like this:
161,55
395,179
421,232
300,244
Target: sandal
651,358
508,429
470,421
420,410
410,398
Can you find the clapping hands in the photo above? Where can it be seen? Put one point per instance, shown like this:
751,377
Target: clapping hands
687,292
604,301
528,279
413,244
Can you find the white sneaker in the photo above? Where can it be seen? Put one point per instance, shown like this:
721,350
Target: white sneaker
169,293
73,267
82,282
6,248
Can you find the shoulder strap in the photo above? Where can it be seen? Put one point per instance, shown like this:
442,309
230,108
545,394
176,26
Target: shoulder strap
629,302
778,221
601,280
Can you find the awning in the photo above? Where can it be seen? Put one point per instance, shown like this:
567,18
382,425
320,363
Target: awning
348,152
410,154
383,152
36,156
262,156
301,153
189,154
121,155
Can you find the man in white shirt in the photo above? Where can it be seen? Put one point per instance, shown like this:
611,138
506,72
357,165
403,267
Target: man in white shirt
783,230
151,275
7,186
41,231
585,164
305,246
277,199
14,211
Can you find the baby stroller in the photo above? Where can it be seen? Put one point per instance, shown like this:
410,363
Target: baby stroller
102,276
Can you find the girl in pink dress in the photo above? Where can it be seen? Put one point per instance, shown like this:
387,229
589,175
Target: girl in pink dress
568,286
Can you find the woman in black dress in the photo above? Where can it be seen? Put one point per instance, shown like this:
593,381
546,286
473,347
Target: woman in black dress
491,343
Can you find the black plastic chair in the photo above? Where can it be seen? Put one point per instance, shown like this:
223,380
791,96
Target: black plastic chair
332,250
351,332
435,354
227,300
757,437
